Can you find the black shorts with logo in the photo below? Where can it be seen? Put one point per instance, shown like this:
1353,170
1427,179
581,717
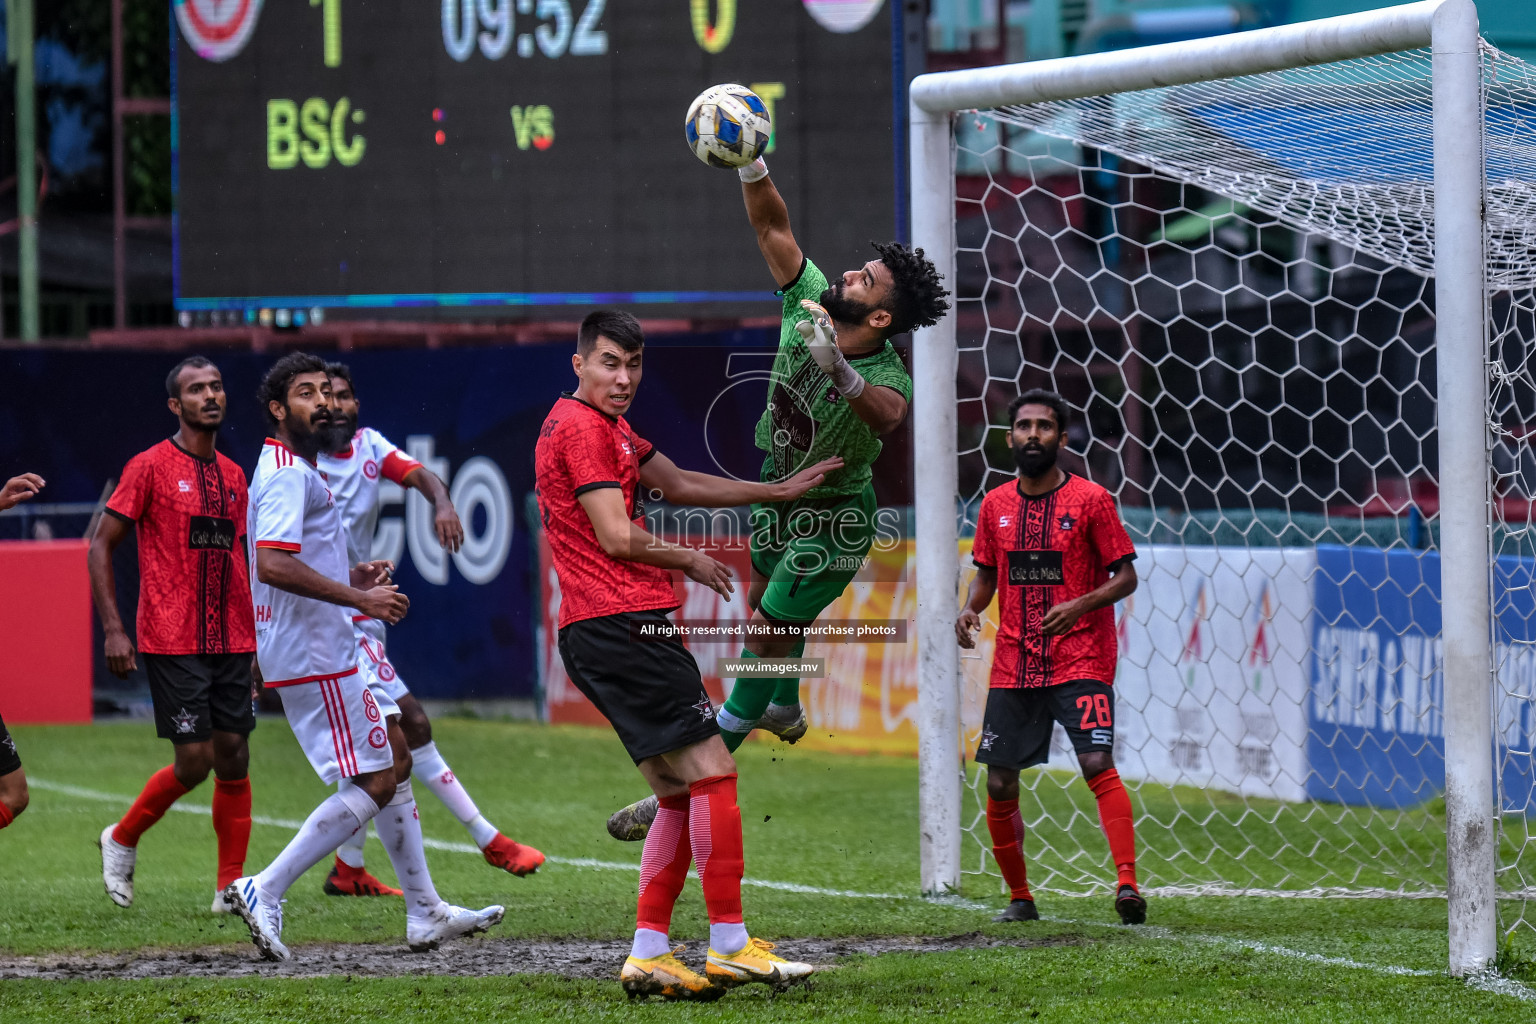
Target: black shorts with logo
649,690
10,761
195,694
1016,729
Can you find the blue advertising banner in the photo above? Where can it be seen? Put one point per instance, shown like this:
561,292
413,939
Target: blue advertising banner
470,414
1376,732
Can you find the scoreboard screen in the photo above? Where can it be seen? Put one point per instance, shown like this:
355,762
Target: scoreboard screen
522,154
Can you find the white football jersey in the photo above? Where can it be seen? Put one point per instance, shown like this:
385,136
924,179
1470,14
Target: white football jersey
298,639
354,479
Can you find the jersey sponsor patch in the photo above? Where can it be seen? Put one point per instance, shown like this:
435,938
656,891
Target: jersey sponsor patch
210,533
1035,569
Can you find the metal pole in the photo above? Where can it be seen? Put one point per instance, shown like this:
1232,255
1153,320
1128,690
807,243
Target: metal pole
26,166
1461,354
119,202
936,479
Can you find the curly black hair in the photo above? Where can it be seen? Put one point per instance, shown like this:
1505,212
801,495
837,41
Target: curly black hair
274,386
918,296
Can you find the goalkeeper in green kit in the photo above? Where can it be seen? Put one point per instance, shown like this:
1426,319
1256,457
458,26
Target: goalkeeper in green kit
838,384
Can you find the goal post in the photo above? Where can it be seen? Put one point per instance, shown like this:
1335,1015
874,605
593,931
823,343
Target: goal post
938,102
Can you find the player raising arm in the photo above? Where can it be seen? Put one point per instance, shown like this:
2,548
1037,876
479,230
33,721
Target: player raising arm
615,593
13,780
1056,543
838,385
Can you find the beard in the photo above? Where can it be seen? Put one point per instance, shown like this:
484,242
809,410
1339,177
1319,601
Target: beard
1035,462
312,437
842,309
338,435
202,421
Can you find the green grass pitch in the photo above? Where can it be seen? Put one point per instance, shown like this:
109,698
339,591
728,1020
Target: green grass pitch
812,822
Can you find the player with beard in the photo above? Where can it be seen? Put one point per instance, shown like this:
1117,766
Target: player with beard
13,780
1064,558
838,385
196,634
355,462
304,595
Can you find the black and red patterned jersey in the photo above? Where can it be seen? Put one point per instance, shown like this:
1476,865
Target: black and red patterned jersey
581,449
1048,549
194,585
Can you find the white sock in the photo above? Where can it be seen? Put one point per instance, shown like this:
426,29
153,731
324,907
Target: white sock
400,832
428,766
350,852
481,831
730,723
728,938
336,818
650,943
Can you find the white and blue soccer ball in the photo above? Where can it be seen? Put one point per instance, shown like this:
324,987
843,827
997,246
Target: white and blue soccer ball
728,126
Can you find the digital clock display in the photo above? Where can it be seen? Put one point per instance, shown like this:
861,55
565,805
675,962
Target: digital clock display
515,153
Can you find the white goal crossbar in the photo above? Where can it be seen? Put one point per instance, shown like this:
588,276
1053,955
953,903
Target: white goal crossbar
1450,29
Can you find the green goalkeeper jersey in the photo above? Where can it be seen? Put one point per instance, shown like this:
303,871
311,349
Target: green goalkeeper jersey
806,419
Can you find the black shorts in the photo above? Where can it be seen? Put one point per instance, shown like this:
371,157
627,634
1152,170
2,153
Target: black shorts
195,694
1016,729
10,761
650,691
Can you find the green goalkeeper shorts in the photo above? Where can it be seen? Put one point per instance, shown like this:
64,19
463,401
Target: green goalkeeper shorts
810,551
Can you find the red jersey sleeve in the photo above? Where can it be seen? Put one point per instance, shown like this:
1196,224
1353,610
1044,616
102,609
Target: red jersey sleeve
394,464
986,536
1110,540
588,451
135,489
643,448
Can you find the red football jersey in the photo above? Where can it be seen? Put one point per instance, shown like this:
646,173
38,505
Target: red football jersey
581,449
1048,549
194,585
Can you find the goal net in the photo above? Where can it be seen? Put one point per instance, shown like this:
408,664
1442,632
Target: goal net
1232,284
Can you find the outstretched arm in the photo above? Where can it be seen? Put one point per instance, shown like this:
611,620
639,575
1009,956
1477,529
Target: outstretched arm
770,219
18,489
685,487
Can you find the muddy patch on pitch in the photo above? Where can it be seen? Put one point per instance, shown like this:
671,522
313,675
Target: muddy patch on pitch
579,958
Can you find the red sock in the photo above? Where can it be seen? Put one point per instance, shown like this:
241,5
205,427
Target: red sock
1115,816
6,817
162,790
664,864
232,824
1006,826
714,829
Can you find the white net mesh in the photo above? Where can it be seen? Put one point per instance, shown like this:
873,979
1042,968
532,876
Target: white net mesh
1231,283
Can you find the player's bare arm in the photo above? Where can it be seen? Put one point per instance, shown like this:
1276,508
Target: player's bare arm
1121,584
18,489
686,487
983,589
119,648
283,570
445,518
770,219
620,537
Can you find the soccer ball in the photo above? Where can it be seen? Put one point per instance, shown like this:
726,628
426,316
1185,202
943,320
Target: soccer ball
728,126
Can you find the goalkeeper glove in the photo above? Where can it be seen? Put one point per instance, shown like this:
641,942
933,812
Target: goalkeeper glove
757,170
821,338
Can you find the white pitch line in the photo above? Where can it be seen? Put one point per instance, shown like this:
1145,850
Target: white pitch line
1487,981
452,847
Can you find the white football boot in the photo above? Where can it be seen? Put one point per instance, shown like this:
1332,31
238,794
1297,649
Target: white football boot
449,922
117,863
264,917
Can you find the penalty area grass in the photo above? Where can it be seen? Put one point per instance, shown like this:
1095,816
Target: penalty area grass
832,839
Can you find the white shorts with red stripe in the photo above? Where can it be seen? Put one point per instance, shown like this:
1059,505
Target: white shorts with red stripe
374,665
340,721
